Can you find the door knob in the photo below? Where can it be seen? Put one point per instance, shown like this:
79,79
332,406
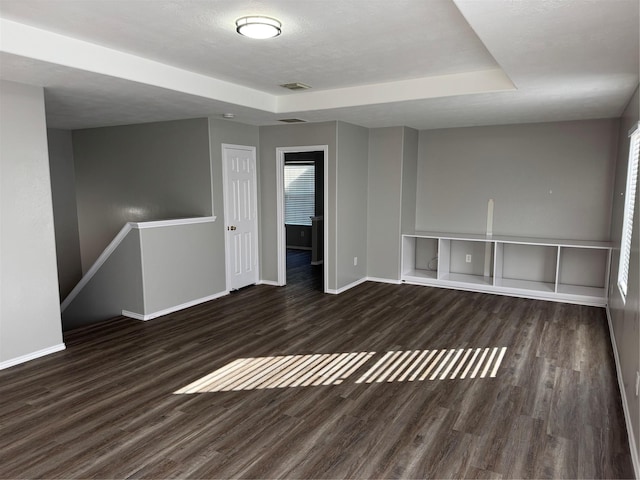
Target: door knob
232,227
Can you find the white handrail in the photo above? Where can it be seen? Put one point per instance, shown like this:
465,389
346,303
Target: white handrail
116,241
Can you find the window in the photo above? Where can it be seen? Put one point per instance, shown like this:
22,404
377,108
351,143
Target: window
299,193
629,203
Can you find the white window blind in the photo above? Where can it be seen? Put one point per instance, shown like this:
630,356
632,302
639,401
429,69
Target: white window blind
629,203
299,193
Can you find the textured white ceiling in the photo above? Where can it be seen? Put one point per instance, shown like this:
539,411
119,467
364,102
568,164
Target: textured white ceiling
325,43
568,59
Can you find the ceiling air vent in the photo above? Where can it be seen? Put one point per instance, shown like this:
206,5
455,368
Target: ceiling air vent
295,86
292,120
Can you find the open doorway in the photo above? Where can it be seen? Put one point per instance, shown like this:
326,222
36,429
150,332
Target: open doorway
304,218
302,199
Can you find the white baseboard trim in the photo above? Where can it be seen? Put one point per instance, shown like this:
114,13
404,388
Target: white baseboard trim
625,405
167,311
32,356
361,281
346,287
384,280
136,316
269,282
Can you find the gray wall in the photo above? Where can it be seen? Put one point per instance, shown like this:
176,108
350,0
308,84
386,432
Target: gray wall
151,270
179,265
137,173
409,179
625,317
459,249
29,303
519,166
392,197
351,225
110,290
301,135
220,132
385,192
298,236
537,263
65,211
115,287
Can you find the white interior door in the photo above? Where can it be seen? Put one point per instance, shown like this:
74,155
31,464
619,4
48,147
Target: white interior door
241,215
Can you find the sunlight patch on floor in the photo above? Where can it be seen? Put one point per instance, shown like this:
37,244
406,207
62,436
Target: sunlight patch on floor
420,365
334,368
280,372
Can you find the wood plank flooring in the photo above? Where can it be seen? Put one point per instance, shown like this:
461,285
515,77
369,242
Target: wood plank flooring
105,407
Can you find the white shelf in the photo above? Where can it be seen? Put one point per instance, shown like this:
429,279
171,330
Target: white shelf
541,268
530,285
553,242
419,274
581,291
466,278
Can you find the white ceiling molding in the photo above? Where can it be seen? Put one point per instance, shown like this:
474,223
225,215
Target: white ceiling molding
26,41
38,44
415,89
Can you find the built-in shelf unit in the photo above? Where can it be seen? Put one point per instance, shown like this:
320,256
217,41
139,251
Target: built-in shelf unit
572,271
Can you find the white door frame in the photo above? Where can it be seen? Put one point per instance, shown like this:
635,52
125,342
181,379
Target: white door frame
282,238
227,267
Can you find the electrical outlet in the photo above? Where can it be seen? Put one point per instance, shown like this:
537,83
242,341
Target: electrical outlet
468,258
637,383
355,261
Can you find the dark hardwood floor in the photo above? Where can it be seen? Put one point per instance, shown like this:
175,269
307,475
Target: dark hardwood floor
106,407
300,272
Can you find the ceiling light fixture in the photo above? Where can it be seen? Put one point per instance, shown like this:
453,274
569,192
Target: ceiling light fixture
258,27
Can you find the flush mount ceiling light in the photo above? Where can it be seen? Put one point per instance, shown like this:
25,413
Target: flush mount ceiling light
258,27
